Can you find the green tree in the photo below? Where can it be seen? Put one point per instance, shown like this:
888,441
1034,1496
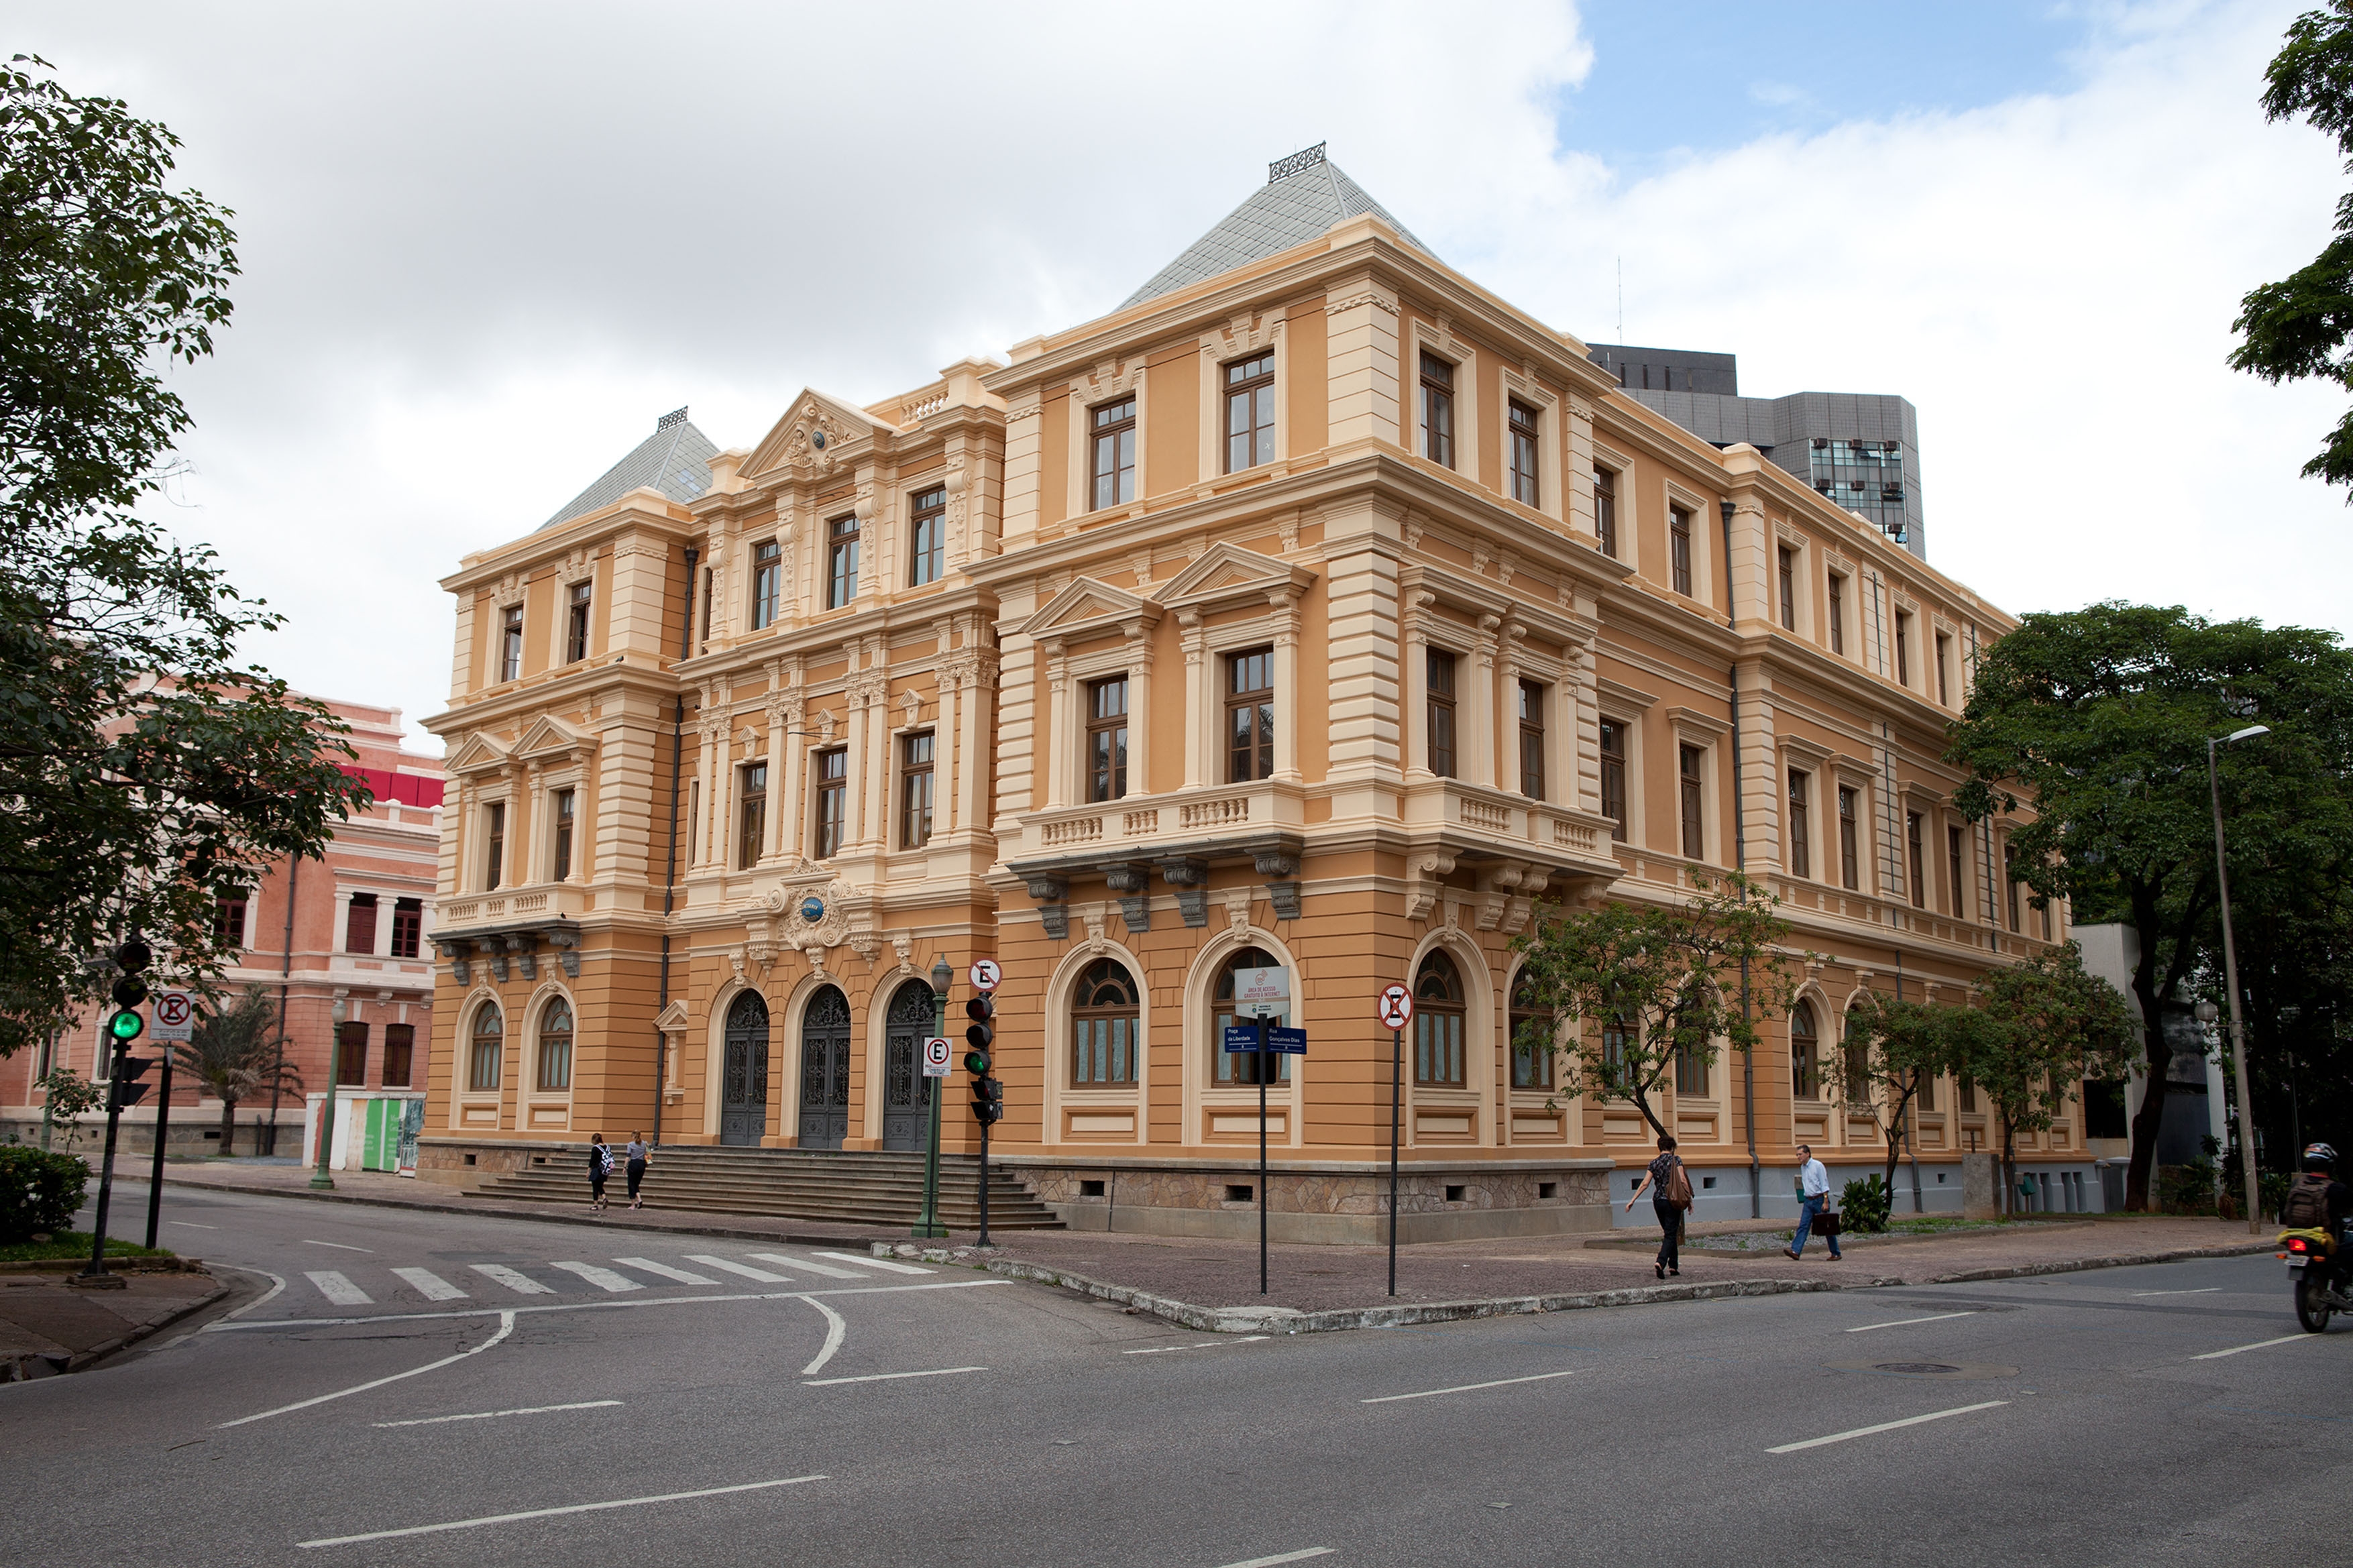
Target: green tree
1891,1048
2041,1028
145,772
2296,328
2099,718
1625,989
233,1052
66,1096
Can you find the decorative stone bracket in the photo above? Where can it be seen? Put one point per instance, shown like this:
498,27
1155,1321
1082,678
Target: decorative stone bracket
1191,880
1053,909
1423,890
1133,883
1285,894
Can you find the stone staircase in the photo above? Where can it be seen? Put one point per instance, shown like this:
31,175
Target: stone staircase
856,1189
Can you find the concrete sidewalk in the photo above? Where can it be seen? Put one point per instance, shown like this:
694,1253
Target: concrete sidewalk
48,1326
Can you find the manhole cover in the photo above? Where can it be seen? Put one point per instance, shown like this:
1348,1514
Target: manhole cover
1958,1372
1912,1366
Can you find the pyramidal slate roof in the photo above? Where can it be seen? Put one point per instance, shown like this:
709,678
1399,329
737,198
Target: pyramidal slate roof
1304,195
675,459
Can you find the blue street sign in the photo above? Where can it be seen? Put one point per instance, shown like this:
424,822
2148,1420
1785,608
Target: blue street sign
1239,1038
1279,1042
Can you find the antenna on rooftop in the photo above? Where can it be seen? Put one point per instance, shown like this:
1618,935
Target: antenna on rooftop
1621,299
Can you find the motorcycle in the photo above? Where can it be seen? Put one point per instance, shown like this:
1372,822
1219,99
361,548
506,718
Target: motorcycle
2311,1269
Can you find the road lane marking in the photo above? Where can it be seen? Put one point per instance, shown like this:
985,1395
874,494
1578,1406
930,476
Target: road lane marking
307,1242
1900,1322
1885,1426
430,1285
827,1269
276,1286
745,1270
890,1377
603,1278
2259,1344
373,1319
1285,1557
1467,1387
191,1224
835,1329
1204,1345
2202,1291
521,1284
552,1512
883,1263
493,1415
506,1327
338,1288
648,1266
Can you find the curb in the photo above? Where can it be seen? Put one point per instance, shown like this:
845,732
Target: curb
2118,1260
82,1358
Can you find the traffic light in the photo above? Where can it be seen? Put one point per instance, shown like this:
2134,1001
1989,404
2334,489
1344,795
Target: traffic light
130,991
125,1027
128,1070
987,1101
987,1094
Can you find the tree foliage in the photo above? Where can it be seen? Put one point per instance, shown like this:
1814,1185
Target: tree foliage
234,1052
145,772
2297,329
1625,989
2040,1028
1891,1048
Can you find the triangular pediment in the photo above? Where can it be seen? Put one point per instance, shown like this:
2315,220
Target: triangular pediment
1088,607
549,738
812,431
673,1017
480,754
1227,574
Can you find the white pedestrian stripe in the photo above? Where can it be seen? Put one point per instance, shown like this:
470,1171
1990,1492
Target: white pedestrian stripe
339,1289
1203,1345
2202,1291
648,1266
890,1376
829,1270
1900,1322
430,1285
2209,1355
603,1278
1467,1387
338,1246
745,1270
877,1263
521,1284
494,1414
1885,1426
1285,1557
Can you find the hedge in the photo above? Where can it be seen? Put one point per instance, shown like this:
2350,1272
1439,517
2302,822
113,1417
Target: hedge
39,1192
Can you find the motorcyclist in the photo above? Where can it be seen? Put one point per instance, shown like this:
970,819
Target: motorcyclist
2316,1200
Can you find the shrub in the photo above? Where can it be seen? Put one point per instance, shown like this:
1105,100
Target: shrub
2187,1189
2272,1186
1865,1203
38,1192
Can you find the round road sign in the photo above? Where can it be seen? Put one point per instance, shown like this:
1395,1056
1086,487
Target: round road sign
986,974
1396,1008
173,1008
935,1056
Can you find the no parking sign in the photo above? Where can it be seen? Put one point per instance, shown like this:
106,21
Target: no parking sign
175,1015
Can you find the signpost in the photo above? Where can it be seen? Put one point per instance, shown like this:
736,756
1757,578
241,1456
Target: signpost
1396,1011
935,1056
1262,994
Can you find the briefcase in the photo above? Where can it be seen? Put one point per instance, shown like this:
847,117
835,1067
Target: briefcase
1828,1223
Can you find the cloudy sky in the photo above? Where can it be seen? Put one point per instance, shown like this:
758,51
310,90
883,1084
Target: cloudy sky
485,244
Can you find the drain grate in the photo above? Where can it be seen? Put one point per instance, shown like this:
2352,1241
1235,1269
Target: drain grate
1922,1367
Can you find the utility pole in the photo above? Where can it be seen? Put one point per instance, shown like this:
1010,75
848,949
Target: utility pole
2230,979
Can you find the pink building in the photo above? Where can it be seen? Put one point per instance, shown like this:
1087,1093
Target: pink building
345,941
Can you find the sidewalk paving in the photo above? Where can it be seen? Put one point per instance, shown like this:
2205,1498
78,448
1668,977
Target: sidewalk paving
48,1326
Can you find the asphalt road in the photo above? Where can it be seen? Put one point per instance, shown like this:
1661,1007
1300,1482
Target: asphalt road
843,1414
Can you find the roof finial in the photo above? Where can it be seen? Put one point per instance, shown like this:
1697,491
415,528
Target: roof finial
675,416
1284,168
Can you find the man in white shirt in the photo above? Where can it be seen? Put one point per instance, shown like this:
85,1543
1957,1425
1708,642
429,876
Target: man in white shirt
1814,1191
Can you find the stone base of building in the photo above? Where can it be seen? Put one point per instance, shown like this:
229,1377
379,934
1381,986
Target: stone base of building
194,1134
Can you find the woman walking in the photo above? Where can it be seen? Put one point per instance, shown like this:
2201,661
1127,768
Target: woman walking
600,1165
1669,1203
635,1168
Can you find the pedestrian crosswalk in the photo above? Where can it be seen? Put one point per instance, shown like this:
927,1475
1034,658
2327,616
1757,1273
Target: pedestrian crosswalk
556,1278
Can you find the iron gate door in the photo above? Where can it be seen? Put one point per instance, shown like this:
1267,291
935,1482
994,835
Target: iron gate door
825,1070
905,1111
744,1092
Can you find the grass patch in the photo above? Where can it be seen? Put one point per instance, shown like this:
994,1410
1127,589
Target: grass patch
76,1244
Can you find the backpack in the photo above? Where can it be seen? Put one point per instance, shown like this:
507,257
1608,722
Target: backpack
2307,1203
1676,1188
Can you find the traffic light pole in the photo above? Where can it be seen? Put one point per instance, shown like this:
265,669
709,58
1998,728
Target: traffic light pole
930,1226
162,1128
984,1183
1262,1066
1397,1095
97,1269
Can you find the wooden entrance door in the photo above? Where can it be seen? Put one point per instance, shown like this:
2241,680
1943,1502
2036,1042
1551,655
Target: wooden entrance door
744,1085
825,1070
906,1112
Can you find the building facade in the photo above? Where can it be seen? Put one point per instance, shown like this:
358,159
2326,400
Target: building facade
1316,610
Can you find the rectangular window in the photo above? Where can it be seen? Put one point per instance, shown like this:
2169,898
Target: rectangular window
1789,584
840,561
1801,828
359,924
927,539
407,927
752,814
1679,548
1250,413
228,925
576,624
494,849
1919,858
1112,449
1690,1071
1956,858
1943,669
2010,873
1613,778
399,1054
1250,716
1436,410
511,643
1838,614
831,800
1605,511
767,585
915,791
564,803
1925,1097
1441,713
1903,649
1687,771
1532,740
1805,1067
1968,1097
1525,486
1849,863
707,576
350,1054
483,1072
1107,739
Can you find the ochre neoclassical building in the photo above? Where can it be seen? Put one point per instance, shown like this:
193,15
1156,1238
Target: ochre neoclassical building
1318,610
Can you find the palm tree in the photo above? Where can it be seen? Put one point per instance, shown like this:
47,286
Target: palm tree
232,1052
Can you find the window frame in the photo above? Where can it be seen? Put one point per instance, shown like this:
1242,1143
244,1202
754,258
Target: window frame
927,536
1239,1068
1956,865
1524,437
767,586
494,844
1691,798
1944,668
407,927
1605,508
547,1067
1104,1019
1533,739
1107,739
1613,767
399,1045
1903,649
1850,852
1916,844
1801,826
750,813
510,644
1256,395
575,620
1118,431
1447,1017
486,1050
1441,747
1787,573
1837,596
1679,550
562,811
1805,1055
841,545
350,1054
228,923
351,923
1532,1070
917,774
1436,407
1260,699
829,802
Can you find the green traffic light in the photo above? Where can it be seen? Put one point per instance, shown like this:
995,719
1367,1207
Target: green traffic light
126,1026
977,1063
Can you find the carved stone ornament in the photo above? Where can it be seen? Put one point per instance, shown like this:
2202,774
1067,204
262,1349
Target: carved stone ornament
1238,907
787,908
1133,883
1189,878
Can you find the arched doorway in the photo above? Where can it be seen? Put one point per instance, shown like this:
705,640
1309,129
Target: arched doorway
743,1083
825,1070
905,1109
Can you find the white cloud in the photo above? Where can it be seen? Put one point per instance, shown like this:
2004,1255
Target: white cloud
486,246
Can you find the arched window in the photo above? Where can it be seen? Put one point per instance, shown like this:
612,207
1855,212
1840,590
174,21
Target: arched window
555,1045
1242,1067
1104,1019
489,1046
1805,1054
1532,1031
1856,1049
1438,1024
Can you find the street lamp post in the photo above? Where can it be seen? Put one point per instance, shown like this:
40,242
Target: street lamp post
2231,979
319,1178
942,978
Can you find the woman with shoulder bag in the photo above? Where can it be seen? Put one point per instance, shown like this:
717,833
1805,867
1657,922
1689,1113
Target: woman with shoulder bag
1670,1203
600,1165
